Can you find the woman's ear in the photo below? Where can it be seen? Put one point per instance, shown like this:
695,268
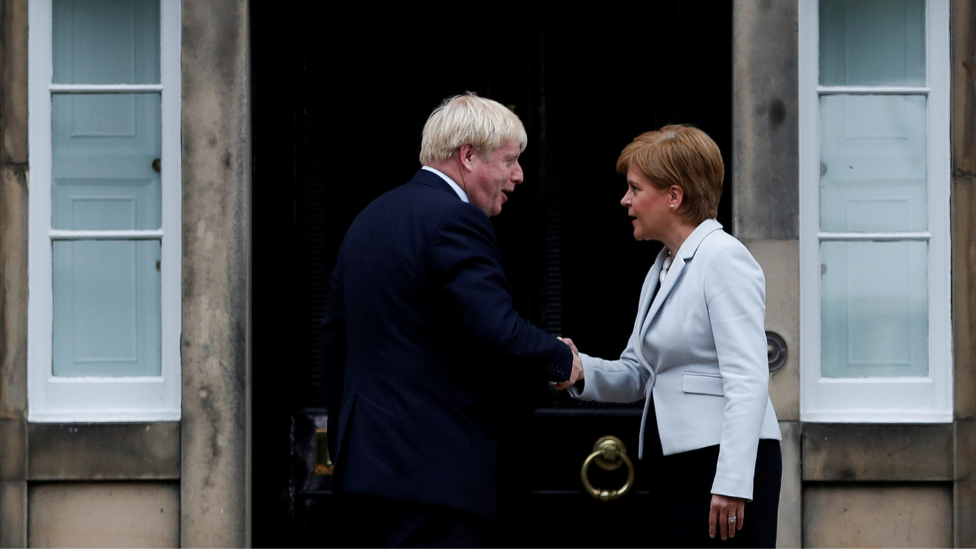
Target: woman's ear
676,195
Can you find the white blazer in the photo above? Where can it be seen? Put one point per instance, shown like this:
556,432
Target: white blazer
700,346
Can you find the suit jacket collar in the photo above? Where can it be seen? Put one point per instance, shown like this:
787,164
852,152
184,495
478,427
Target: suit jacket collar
685,253
694,240
431,179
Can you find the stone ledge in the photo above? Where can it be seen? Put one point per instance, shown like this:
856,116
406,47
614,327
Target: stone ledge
878,452
108,451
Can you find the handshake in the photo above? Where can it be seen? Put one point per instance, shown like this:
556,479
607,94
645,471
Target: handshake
577,373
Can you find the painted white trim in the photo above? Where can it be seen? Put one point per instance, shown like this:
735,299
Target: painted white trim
891,415
808,120
825,237
171,251
105,88
100,399
873,90
876,400
938,59
64,234
41,301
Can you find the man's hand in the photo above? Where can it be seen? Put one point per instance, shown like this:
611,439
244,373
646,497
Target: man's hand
577,373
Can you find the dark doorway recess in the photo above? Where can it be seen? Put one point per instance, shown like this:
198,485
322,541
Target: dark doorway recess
338,105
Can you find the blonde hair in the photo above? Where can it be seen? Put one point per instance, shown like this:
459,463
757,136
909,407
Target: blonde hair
684,156
469,119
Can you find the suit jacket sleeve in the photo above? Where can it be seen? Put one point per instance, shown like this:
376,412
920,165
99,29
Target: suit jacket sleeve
735,294
473,284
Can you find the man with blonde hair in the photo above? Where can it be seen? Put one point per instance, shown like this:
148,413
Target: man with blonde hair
420,327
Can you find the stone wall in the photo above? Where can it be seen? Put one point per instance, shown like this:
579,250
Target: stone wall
216,274
853,485
146,484
14,176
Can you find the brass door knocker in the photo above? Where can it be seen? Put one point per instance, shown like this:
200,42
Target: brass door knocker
609,453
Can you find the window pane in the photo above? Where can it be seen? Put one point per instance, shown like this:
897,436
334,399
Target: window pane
872,42
103,150
107,308
106,41
873,163
874,308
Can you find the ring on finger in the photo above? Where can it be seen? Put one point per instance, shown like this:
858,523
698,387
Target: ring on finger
732,519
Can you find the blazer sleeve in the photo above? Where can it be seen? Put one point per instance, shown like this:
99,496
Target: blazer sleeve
476,293
735,294
622,380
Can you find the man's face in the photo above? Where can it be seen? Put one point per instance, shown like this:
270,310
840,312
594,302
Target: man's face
492,176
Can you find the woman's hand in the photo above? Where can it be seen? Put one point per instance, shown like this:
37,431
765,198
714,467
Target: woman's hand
726,516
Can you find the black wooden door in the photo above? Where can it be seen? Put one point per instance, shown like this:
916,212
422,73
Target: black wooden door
338,106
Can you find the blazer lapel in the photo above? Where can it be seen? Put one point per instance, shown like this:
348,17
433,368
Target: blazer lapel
684,255
677,265
650,286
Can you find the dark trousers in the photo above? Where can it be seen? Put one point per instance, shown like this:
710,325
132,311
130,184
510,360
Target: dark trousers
683,489
373,521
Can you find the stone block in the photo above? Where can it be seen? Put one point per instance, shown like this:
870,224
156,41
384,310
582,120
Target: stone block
111,514
963,43
964,295
877,515
964,514
780,261
114,451
13,450
13,513
789,530
216,279
965,454
765,170
13,84
859,452
13,291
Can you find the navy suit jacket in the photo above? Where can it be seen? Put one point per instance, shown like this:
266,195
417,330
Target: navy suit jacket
420,323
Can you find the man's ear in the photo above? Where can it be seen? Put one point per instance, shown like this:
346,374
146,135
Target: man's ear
466,156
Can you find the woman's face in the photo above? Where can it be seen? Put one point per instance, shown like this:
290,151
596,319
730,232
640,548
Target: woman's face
648,206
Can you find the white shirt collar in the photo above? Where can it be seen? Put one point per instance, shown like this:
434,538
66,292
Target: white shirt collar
665,267
460,192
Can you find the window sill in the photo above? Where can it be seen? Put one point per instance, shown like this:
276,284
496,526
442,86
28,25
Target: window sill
110,451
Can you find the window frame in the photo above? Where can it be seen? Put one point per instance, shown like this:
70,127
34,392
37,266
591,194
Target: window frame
879,399
101,399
